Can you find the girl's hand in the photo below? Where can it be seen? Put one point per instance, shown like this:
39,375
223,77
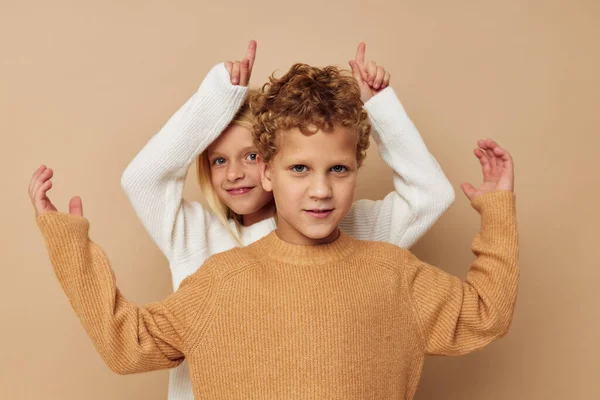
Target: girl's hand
371,78
39,185
497,168
240,71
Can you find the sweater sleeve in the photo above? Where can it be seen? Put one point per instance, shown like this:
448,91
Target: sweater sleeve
458,317
154,179
422,193
129,338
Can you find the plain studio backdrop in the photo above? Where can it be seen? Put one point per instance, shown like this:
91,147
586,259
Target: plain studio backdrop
85,84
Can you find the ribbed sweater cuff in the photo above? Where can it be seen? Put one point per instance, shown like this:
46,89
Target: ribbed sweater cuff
386,114
66,237
496,203
62,227
219,93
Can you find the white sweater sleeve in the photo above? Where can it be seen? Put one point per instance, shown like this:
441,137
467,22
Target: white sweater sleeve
154,180
422,191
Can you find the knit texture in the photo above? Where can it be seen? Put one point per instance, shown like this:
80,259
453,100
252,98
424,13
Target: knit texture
347,320
188,234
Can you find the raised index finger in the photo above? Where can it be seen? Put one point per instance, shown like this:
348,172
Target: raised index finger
251,52
360,54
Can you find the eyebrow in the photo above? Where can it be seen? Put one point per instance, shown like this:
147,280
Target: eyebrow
242,150
247,149
302,161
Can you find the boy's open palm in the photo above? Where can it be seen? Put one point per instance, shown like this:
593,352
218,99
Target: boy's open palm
497,168
39,185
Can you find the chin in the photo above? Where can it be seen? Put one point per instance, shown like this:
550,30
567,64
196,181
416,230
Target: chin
241,210
245,209
319,232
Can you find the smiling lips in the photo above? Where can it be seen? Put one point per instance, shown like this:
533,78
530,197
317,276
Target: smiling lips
320,213
239,191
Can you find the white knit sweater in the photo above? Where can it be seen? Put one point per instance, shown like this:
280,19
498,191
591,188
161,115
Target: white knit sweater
188,234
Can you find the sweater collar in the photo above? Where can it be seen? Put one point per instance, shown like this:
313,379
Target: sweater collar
272,247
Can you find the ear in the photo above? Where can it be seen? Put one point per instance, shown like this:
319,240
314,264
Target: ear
265,174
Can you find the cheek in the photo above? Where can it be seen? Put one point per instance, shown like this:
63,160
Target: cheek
344,191
216,177
260,192
253,172
294,195
288,190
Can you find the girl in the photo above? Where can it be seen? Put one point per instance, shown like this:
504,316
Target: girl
214,128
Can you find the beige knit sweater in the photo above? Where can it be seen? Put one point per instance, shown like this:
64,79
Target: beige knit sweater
346,320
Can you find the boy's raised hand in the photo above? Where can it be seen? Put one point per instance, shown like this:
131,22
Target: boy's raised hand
39,185
371,78
240,71
497,168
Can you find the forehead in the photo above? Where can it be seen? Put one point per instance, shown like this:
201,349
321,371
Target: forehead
339,143
234,138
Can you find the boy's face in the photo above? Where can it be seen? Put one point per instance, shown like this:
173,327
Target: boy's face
312,178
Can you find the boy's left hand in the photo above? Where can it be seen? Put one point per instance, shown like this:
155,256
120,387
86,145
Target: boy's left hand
497,168
371,78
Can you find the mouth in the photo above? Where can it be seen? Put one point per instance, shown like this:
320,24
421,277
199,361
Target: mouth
320,213
240,191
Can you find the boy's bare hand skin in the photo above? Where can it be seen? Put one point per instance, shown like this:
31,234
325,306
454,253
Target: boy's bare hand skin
497,168
39,185
240,71
371,78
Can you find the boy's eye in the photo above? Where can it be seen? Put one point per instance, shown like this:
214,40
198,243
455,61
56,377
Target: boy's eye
299,168
339,169
219,161
251,157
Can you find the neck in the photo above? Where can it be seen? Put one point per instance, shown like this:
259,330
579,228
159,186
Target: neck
274,248
295,237
265,212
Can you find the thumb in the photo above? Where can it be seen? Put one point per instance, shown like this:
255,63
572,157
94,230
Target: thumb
76,207
356,73
469,190
228,67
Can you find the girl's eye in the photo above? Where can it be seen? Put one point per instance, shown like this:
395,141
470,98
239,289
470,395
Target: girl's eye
299,168
251,157
219,161
339,169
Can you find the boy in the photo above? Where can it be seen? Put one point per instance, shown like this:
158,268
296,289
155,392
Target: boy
306,312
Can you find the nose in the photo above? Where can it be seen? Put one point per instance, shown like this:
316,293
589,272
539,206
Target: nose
235,171
320,187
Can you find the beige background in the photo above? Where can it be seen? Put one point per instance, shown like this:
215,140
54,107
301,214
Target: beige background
84,85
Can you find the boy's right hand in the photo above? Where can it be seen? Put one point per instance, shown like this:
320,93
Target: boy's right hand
39,185
240,71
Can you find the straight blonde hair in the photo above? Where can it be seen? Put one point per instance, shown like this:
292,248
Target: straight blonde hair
243,118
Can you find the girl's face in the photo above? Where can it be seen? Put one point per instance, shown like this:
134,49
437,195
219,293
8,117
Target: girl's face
235,175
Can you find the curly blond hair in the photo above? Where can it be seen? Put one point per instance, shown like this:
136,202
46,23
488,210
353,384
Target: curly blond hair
311,99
